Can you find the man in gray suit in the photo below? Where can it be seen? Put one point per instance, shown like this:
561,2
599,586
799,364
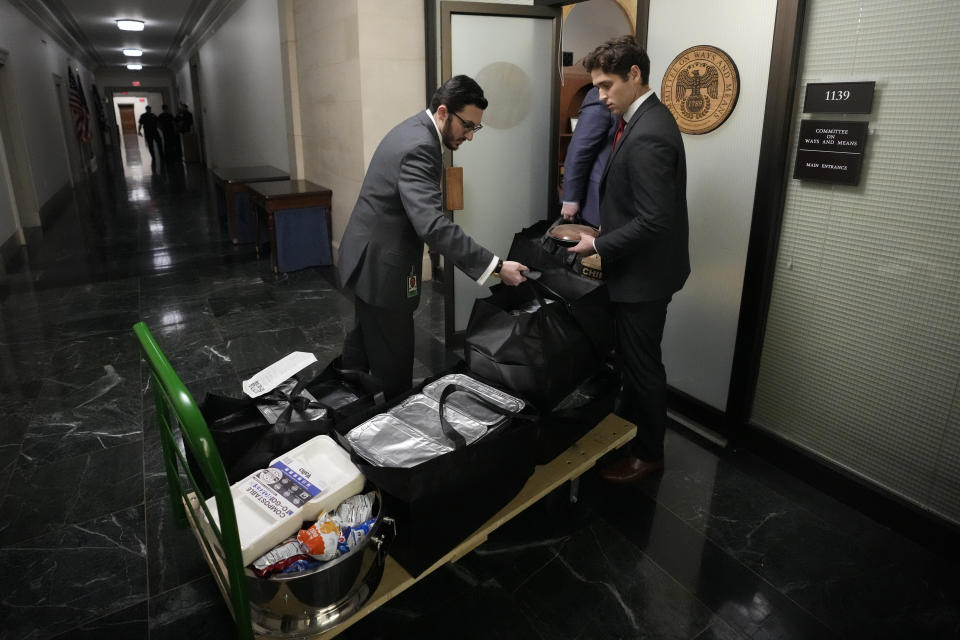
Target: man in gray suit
398,209
643,243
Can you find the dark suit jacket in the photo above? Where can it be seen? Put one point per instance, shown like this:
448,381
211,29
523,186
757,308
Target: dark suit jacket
643,209
398,209
587,156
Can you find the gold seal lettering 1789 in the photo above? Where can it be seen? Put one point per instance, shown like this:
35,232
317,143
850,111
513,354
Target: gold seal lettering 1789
701,87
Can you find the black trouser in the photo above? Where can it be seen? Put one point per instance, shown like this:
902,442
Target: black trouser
643,391
172,151
151,138
381,342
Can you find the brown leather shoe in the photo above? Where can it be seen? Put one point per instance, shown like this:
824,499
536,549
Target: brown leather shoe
630,469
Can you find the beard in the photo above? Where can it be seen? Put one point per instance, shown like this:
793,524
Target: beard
449,141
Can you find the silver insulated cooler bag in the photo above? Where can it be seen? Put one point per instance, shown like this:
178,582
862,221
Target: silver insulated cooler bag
445,459
452,412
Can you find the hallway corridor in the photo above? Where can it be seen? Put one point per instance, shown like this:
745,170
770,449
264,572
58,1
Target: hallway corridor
722,546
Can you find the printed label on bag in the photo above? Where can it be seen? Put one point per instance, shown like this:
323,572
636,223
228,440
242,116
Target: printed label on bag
268,379
282,490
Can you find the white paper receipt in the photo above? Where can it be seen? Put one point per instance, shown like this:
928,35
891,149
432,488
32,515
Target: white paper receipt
268,379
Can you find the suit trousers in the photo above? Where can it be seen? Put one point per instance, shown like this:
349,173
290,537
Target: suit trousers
643,390
381,342
153,138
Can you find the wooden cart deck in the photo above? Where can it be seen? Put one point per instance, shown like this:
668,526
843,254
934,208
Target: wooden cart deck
610,433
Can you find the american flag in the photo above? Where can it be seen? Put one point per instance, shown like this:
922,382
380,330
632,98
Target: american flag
78,107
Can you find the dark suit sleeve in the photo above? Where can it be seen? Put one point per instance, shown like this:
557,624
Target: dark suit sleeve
591,134
653,187
419,189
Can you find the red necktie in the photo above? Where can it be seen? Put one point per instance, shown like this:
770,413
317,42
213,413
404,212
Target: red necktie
616,136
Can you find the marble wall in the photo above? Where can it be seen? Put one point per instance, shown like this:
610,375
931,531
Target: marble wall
356,69
392,66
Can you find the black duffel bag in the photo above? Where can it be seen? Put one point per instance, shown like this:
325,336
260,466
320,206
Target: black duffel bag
439,502
250,432
541,347
562,274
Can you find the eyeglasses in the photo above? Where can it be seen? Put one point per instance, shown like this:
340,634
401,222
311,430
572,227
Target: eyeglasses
469,125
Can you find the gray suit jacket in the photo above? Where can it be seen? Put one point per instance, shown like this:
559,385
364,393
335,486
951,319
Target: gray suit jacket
398,209
643,209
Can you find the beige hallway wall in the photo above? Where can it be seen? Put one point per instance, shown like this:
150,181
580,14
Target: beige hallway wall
355,68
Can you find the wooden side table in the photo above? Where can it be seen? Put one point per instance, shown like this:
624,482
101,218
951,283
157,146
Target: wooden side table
233,181
309,199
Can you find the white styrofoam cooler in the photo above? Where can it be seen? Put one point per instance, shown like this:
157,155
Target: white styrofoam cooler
272,503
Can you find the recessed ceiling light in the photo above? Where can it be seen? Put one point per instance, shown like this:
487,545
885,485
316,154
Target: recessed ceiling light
130,25
134,67
133,53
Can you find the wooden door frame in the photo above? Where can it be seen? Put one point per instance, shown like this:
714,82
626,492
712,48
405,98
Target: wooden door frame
452,337
133,112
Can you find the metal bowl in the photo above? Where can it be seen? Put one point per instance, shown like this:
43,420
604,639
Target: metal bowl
571,233
308,602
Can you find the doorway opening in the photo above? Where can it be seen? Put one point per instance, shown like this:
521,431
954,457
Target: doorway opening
135,156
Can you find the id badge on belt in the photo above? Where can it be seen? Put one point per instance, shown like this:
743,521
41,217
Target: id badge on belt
412,291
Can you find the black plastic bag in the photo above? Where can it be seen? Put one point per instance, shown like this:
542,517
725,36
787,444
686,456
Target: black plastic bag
538,347
562,275
535,248
248,440
577,414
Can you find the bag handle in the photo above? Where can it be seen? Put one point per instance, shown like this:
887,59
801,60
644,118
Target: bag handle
367,381
537,293
536,282
455,436
357,381
296,401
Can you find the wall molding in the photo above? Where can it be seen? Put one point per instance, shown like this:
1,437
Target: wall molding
56,20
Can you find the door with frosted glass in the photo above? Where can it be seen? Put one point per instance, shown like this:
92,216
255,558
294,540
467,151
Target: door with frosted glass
507,181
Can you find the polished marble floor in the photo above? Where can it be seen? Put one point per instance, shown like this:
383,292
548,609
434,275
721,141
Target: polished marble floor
723,545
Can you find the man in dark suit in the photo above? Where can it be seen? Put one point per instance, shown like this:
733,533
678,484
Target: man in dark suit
148,128
643,243
586,159
398,209
171,137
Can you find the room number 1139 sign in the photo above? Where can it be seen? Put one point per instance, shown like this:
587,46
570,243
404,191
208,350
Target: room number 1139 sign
839,97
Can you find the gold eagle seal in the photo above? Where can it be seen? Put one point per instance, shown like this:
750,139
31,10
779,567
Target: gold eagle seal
701,87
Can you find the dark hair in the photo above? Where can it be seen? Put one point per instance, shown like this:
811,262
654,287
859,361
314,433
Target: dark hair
458,92
617,55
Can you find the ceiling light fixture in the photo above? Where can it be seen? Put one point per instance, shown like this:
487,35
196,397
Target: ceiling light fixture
130,25
133,53
134,67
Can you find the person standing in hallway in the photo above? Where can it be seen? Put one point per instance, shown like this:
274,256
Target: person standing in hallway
398,209
586,158
643,243
148,128
171,137
184,119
